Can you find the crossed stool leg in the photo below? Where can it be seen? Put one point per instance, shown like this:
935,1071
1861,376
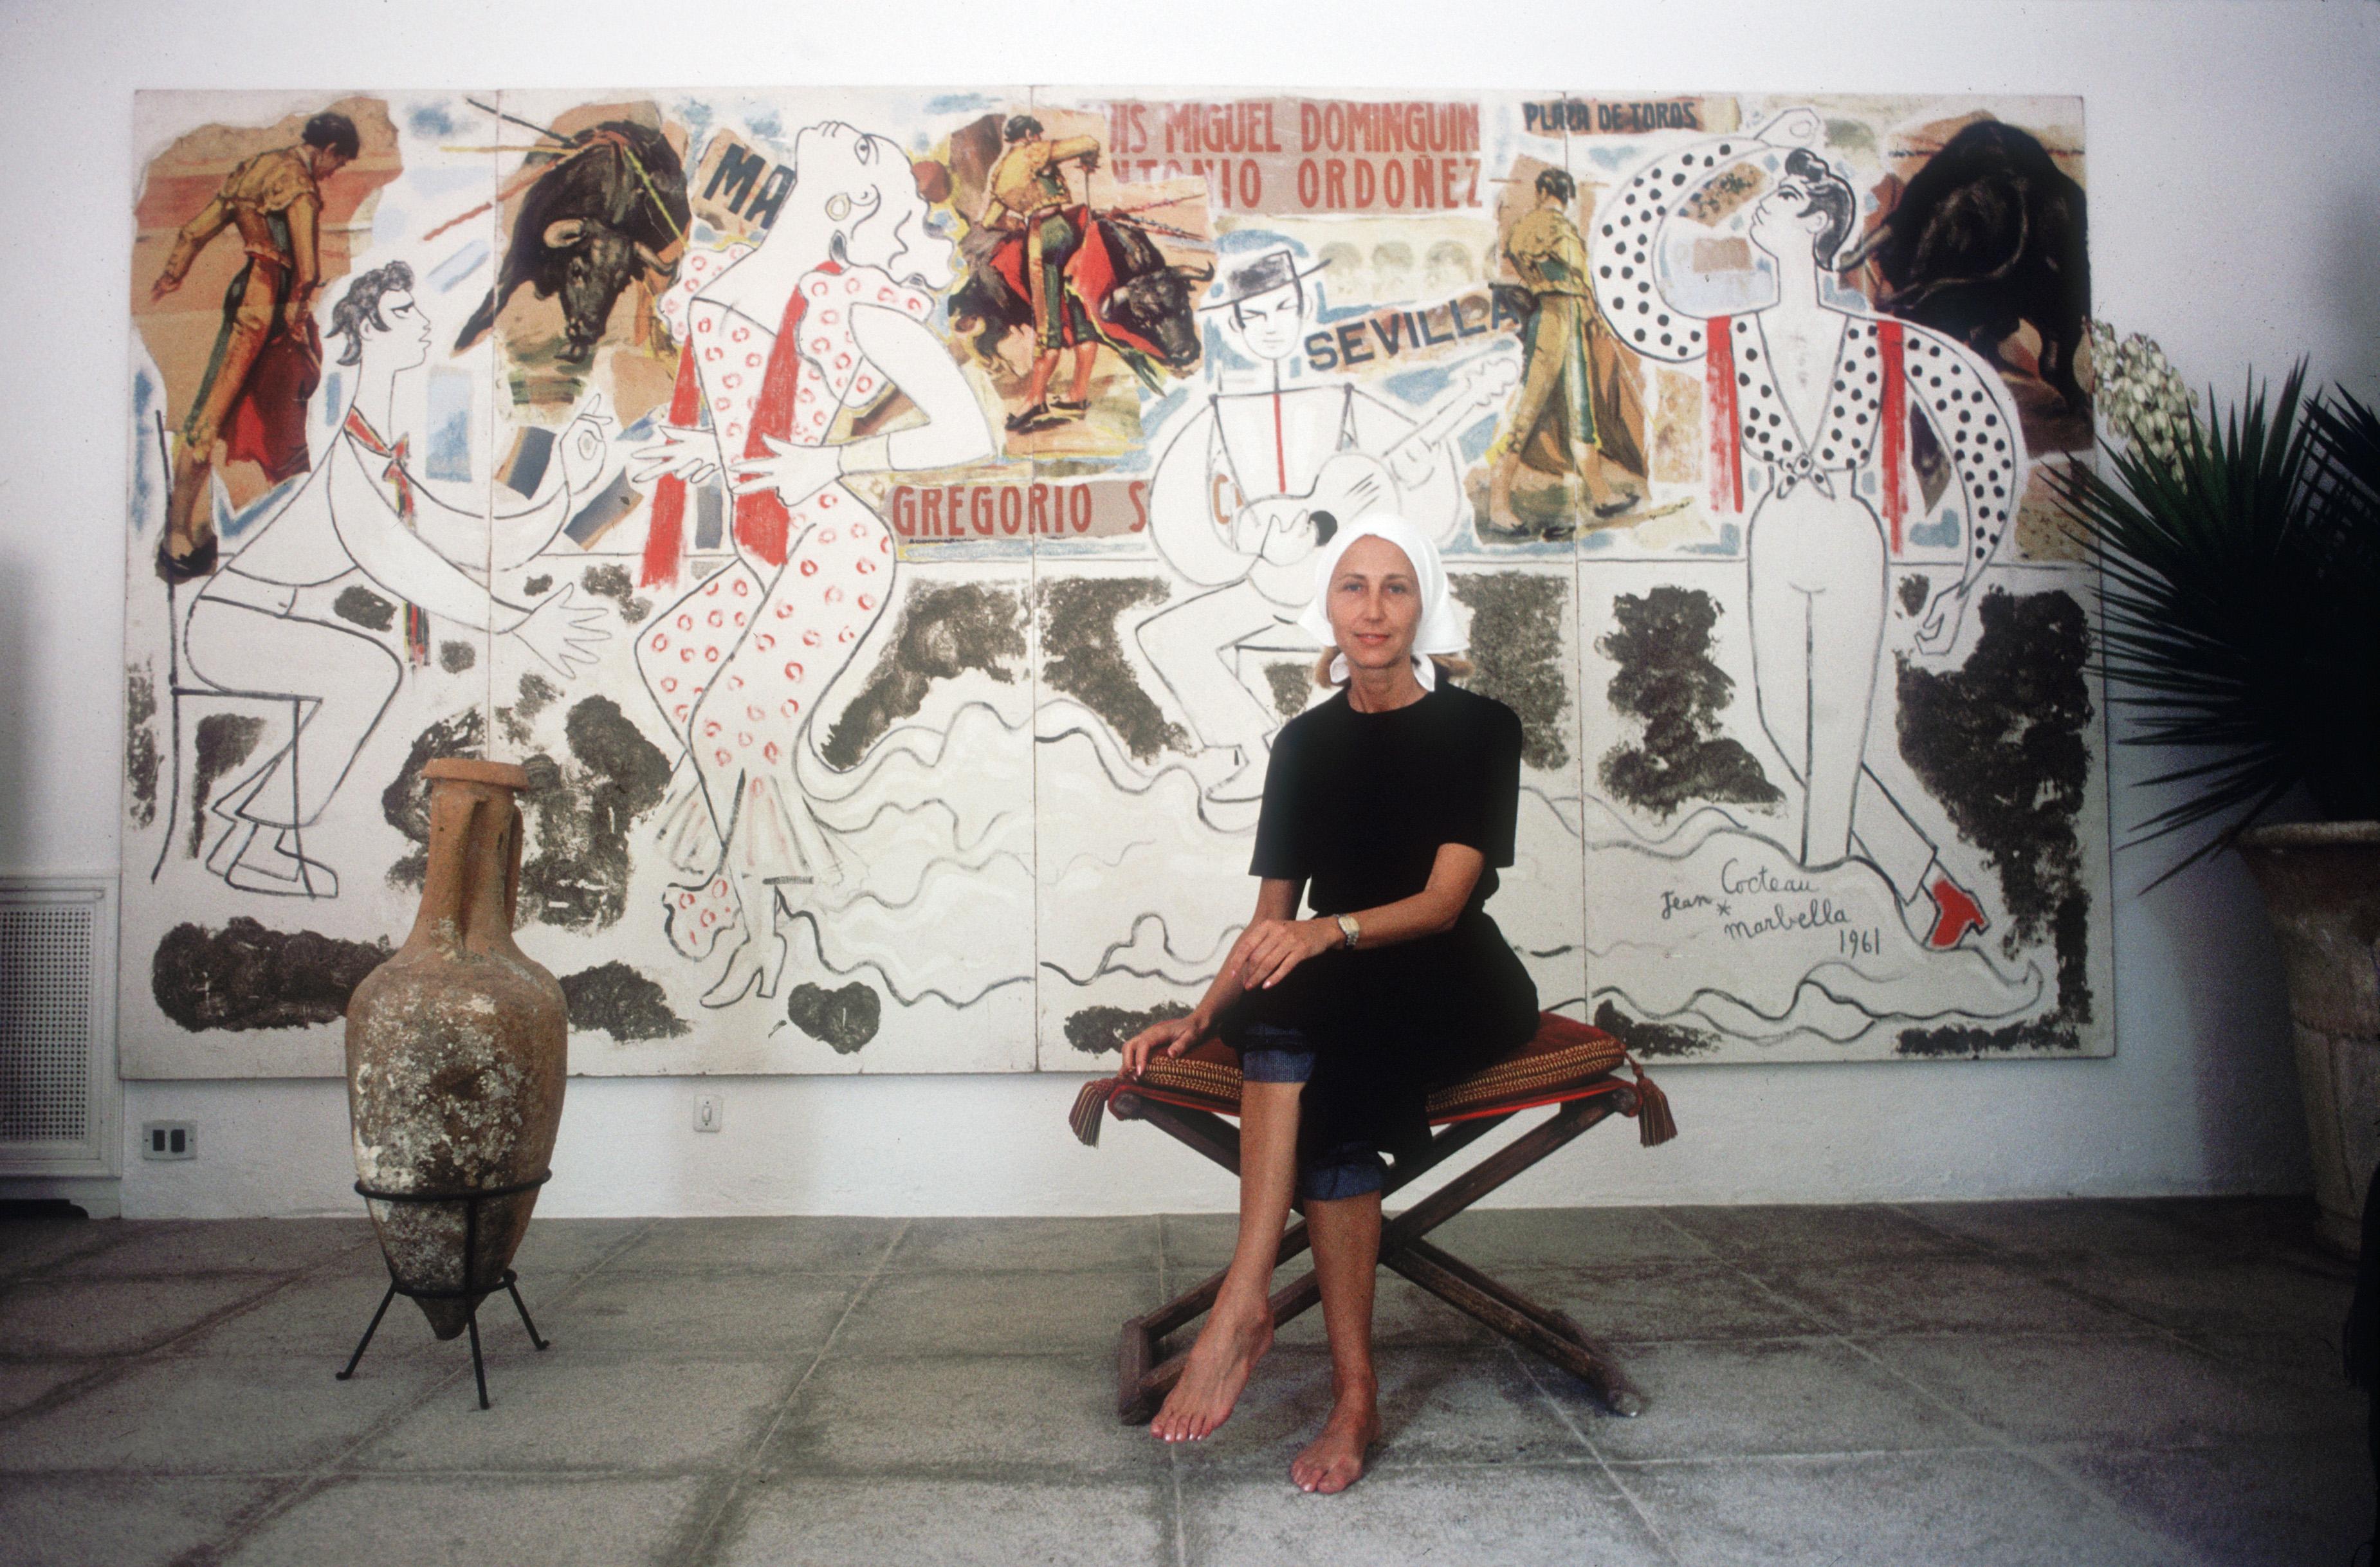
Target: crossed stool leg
1567,1063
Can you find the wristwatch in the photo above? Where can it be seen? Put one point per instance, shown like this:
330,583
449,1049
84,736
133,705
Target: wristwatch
1350,931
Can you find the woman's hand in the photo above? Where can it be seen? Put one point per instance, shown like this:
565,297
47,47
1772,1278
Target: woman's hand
1172,1036
795,472
1270,948
560,635
681,453
1794,128
1940,627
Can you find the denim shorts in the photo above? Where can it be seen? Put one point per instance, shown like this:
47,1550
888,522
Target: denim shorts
1351,1170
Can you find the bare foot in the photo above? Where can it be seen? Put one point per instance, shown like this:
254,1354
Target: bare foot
1228,1349
1335,1458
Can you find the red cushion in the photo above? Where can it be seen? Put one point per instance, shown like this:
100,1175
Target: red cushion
1564,1060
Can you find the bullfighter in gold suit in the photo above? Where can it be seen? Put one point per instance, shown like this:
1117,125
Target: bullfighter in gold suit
1579,405
1030,196
266,357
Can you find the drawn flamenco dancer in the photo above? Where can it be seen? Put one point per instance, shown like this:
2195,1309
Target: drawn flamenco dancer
827,315
1259,477
265,625
1820,395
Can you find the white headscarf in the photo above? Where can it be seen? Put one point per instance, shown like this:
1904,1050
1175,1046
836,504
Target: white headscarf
1439,631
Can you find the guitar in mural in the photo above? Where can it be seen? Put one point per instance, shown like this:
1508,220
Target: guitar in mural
1288,527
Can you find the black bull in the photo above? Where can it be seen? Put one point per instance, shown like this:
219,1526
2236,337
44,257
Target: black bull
1988,234
610,208
1151,299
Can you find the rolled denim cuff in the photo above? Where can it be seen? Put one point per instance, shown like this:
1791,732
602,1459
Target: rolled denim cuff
1276,1066
1348,1172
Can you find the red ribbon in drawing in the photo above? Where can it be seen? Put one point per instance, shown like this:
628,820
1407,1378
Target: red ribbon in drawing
762,520
417,620
1726,440
1894,416
665,530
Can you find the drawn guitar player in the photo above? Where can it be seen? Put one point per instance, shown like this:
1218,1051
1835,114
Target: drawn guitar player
1256,480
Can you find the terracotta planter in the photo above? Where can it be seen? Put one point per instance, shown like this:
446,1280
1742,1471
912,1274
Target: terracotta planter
2321,885
456,1054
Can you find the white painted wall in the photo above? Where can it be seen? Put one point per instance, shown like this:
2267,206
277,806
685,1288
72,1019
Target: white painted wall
2236,215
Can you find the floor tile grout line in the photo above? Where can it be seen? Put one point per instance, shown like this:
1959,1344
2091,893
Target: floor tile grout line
131,1361
2095,1499
1595,1454
330,1471
704,1544
1995,1437
1180,1530
98,1247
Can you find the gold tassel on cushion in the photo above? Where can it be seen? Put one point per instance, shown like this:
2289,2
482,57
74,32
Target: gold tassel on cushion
1654,1125
1090,1106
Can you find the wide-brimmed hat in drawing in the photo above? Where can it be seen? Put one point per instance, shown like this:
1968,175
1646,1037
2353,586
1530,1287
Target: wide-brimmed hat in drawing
1262,273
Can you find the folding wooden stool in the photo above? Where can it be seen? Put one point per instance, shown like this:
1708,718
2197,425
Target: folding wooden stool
1566,1063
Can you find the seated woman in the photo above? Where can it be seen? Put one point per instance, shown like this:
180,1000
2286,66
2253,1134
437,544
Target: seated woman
1390,806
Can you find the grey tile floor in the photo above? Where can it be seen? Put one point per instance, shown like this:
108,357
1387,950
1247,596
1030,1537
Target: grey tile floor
2059,1383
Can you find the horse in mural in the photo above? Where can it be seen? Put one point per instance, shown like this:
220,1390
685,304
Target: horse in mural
1140,304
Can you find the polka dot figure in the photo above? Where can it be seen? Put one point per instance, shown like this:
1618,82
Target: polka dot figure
1620,250
716,660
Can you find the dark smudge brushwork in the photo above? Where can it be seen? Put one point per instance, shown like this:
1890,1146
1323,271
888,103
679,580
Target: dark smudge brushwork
2002,742
1667,678
1516,653
944,631
845,1019
405,803
1673,1042
140,758
245,976
537,693
1096,1030
1081,655
612,582
225,740
579,814
457,657
537,585
1914,590
1291,684
363,607
621,1002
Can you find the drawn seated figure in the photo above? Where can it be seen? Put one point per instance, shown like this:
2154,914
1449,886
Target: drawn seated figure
264,626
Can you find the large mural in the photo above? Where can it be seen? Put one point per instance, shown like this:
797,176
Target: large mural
878,520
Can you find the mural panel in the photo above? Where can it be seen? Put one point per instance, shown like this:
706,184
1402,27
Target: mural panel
878,521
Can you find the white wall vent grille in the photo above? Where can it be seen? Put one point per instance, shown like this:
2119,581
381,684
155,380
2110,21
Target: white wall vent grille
58,1035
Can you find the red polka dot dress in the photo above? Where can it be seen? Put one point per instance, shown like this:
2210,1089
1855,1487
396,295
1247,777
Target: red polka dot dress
737,666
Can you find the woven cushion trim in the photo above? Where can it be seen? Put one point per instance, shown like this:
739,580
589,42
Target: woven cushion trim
1564,1061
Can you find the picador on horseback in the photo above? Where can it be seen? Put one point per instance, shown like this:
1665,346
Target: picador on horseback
1079,280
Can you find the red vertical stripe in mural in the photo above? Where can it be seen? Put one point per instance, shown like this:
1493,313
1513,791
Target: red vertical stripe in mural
1726,461
762,520
665,533
1894,416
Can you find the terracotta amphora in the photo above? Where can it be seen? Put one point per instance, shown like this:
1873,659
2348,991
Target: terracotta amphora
457,1052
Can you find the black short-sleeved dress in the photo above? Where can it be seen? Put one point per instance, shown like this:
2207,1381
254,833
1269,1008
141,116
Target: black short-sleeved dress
1356,806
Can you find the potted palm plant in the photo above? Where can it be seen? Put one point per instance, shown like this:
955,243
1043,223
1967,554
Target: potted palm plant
2240,561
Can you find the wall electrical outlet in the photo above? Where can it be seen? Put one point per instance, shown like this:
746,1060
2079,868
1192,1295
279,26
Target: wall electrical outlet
169,1140
709,1112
